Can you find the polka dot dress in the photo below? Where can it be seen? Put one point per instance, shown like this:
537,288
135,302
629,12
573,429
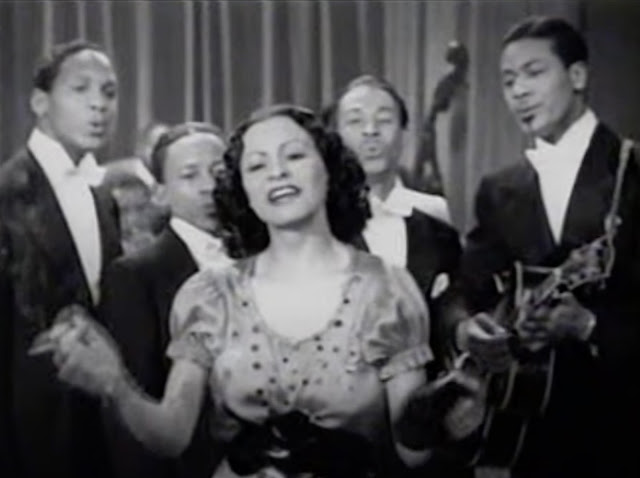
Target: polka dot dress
336,376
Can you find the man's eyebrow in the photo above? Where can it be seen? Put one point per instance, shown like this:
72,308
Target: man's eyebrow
353,108
188,167
533,61
527,64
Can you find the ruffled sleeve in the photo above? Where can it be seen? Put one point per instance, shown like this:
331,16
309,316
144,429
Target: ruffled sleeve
198,320
395,335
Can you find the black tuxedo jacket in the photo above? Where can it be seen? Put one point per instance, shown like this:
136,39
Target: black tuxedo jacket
47,428
137,298
593,401
433,249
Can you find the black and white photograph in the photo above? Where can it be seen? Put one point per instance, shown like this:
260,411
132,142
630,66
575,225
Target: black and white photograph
319,238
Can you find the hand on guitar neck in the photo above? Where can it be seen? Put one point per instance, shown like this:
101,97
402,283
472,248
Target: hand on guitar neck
492,346
486,341
562,318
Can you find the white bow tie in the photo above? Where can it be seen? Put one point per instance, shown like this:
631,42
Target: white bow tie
88,170
546,154
543,155
386,208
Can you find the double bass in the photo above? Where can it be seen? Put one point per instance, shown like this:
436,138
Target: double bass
425,174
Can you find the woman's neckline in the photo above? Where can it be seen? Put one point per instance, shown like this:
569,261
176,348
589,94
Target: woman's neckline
346,299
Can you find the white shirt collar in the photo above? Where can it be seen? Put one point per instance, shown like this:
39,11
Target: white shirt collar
571,147
398,202
401,202
71,188
206,249
557,166
56,163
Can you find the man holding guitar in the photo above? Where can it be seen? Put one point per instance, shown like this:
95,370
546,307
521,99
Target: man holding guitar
562,229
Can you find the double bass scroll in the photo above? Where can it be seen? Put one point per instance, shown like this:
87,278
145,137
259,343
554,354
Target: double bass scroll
425,175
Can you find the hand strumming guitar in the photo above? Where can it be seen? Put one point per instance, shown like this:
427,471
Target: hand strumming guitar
562,318
486,341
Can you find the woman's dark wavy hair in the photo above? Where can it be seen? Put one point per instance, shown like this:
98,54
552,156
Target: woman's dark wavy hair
244,233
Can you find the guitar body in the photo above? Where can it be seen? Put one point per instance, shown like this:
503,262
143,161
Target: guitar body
513,399
500,440
525,389
518,395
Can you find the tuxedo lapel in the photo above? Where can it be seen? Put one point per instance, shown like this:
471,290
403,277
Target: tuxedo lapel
174,265
592,193
176,254
525,216
421,251
107,224
50,233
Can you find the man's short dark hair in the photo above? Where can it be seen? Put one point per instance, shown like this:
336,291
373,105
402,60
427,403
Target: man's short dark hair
330,112
48,66
173,134
566,41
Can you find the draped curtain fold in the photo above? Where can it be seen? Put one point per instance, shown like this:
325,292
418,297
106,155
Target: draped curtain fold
218,60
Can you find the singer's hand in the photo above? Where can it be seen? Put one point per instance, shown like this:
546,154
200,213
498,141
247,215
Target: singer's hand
468,411
86,356
440,411
486,341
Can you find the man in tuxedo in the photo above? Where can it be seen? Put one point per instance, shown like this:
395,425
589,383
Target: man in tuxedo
408,228
57,232
536,212
139,288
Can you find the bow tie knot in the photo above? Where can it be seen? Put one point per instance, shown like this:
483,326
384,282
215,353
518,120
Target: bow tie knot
87,170
545,153
387,208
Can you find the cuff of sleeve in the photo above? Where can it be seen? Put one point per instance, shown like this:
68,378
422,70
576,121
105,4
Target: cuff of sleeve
191,348
588,336
588,330
406,360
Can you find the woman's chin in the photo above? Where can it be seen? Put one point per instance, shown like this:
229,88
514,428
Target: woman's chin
293,222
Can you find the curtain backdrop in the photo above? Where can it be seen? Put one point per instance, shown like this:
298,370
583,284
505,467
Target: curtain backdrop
218,60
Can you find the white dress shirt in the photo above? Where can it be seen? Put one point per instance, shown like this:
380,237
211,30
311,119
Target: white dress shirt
557,166
72,190
207,250
386,232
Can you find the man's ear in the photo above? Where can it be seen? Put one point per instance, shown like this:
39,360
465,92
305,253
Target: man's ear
39,102
579,75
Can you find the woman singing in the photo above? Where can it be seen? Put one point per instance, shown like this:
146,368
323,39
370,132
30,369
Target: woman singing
309,347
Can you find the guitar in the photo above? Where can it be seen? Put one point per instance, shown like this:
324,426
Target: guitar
524,390
508,401
513,398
